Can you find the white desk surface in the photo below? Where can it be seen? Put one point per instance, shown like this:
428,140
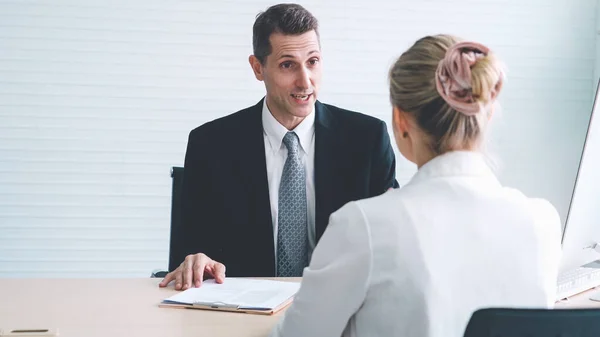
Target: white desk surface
129,307
580,300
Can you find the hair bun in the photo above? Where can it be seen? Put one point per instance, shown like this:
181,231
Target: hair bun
455,82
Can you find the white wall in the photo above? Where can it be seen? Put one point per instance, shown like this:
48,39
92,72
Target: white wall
97,99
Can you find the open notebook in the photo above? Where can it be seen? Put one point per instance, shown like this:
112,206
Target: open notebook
236,294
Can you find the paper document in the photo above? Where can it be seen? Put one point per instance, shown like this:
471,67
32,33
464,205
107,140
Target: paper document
238,292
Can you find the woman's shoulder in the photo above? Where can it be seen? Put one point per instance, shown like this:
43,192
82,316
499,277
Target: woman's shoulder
378,203
538,205
545,216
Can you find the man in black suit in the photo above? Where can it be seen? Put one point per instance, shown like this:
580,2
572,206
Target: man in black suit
260,184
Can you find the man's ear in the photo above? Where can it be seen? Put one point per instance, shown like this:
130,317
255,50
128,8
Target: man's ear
256,67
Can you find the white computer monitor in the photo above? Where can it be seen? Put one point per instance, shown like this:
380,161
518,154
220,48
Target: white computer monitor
582,225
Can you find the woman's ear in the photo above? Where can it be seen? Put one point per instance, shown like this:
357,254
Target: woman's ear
402,133
492,110
400,122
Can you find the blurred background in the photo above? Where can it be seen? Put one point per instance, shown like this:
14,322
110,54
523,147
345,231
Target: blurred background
97,99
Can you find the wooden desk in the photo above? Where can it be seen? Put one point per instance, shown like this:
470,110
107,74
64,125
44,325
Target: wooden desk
115,307
129,307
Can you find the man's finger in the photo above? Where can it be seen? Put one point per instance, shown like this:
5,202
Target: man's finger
199,265
178,278
187,272
216,270
208,270
219,272
166,280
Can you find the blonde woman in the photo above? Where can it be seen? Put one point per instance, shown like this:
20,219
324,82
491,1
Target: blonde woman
419,260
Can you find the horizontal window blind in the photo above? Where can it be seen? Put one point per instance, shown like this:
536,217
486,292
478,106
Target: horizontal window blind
97,99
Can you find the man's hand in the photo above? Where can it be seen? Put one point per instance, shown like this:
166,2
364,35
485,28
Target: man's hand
193,270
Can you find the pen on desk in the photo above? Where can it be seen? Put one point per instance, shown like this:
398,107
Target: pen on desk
28,332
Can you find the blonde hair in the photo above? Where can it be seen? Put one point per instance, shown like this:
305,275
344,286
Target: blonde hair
413,89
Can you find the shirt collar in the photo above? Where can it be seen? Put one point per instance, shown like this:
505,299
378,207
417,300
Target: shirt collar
275,131
455,163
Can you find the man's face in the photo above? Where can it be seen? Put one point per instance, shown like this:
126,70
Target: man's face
292,74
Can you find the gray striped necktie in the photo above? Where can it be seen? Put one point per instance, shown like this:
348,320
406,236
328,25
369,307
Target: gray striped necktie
292,232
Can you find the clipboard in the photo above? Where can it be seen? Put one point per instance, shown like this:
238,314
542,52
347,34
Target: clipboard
219,306
250,296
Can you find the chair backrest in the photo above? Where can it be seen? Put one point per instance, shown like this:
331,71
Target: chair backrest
176,253
502,322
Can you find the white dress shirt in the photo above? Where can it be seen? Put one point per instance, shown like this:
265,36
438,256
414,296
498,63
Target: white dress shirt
418,261
276,154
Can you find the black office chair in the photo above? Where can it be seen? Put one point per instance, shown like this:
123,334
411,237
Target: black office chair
176,253
501,322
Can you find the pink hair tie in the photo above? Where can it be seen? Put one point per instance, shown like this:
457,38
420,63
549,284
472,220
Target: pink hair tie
453,77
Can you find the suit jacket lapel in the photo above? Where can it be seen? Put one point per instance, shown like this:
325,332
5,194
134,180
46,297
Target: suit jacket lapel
252,168
326,148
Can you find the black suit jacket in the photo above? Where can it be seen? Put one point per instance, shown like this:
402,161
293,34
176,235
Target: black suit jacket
226,211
